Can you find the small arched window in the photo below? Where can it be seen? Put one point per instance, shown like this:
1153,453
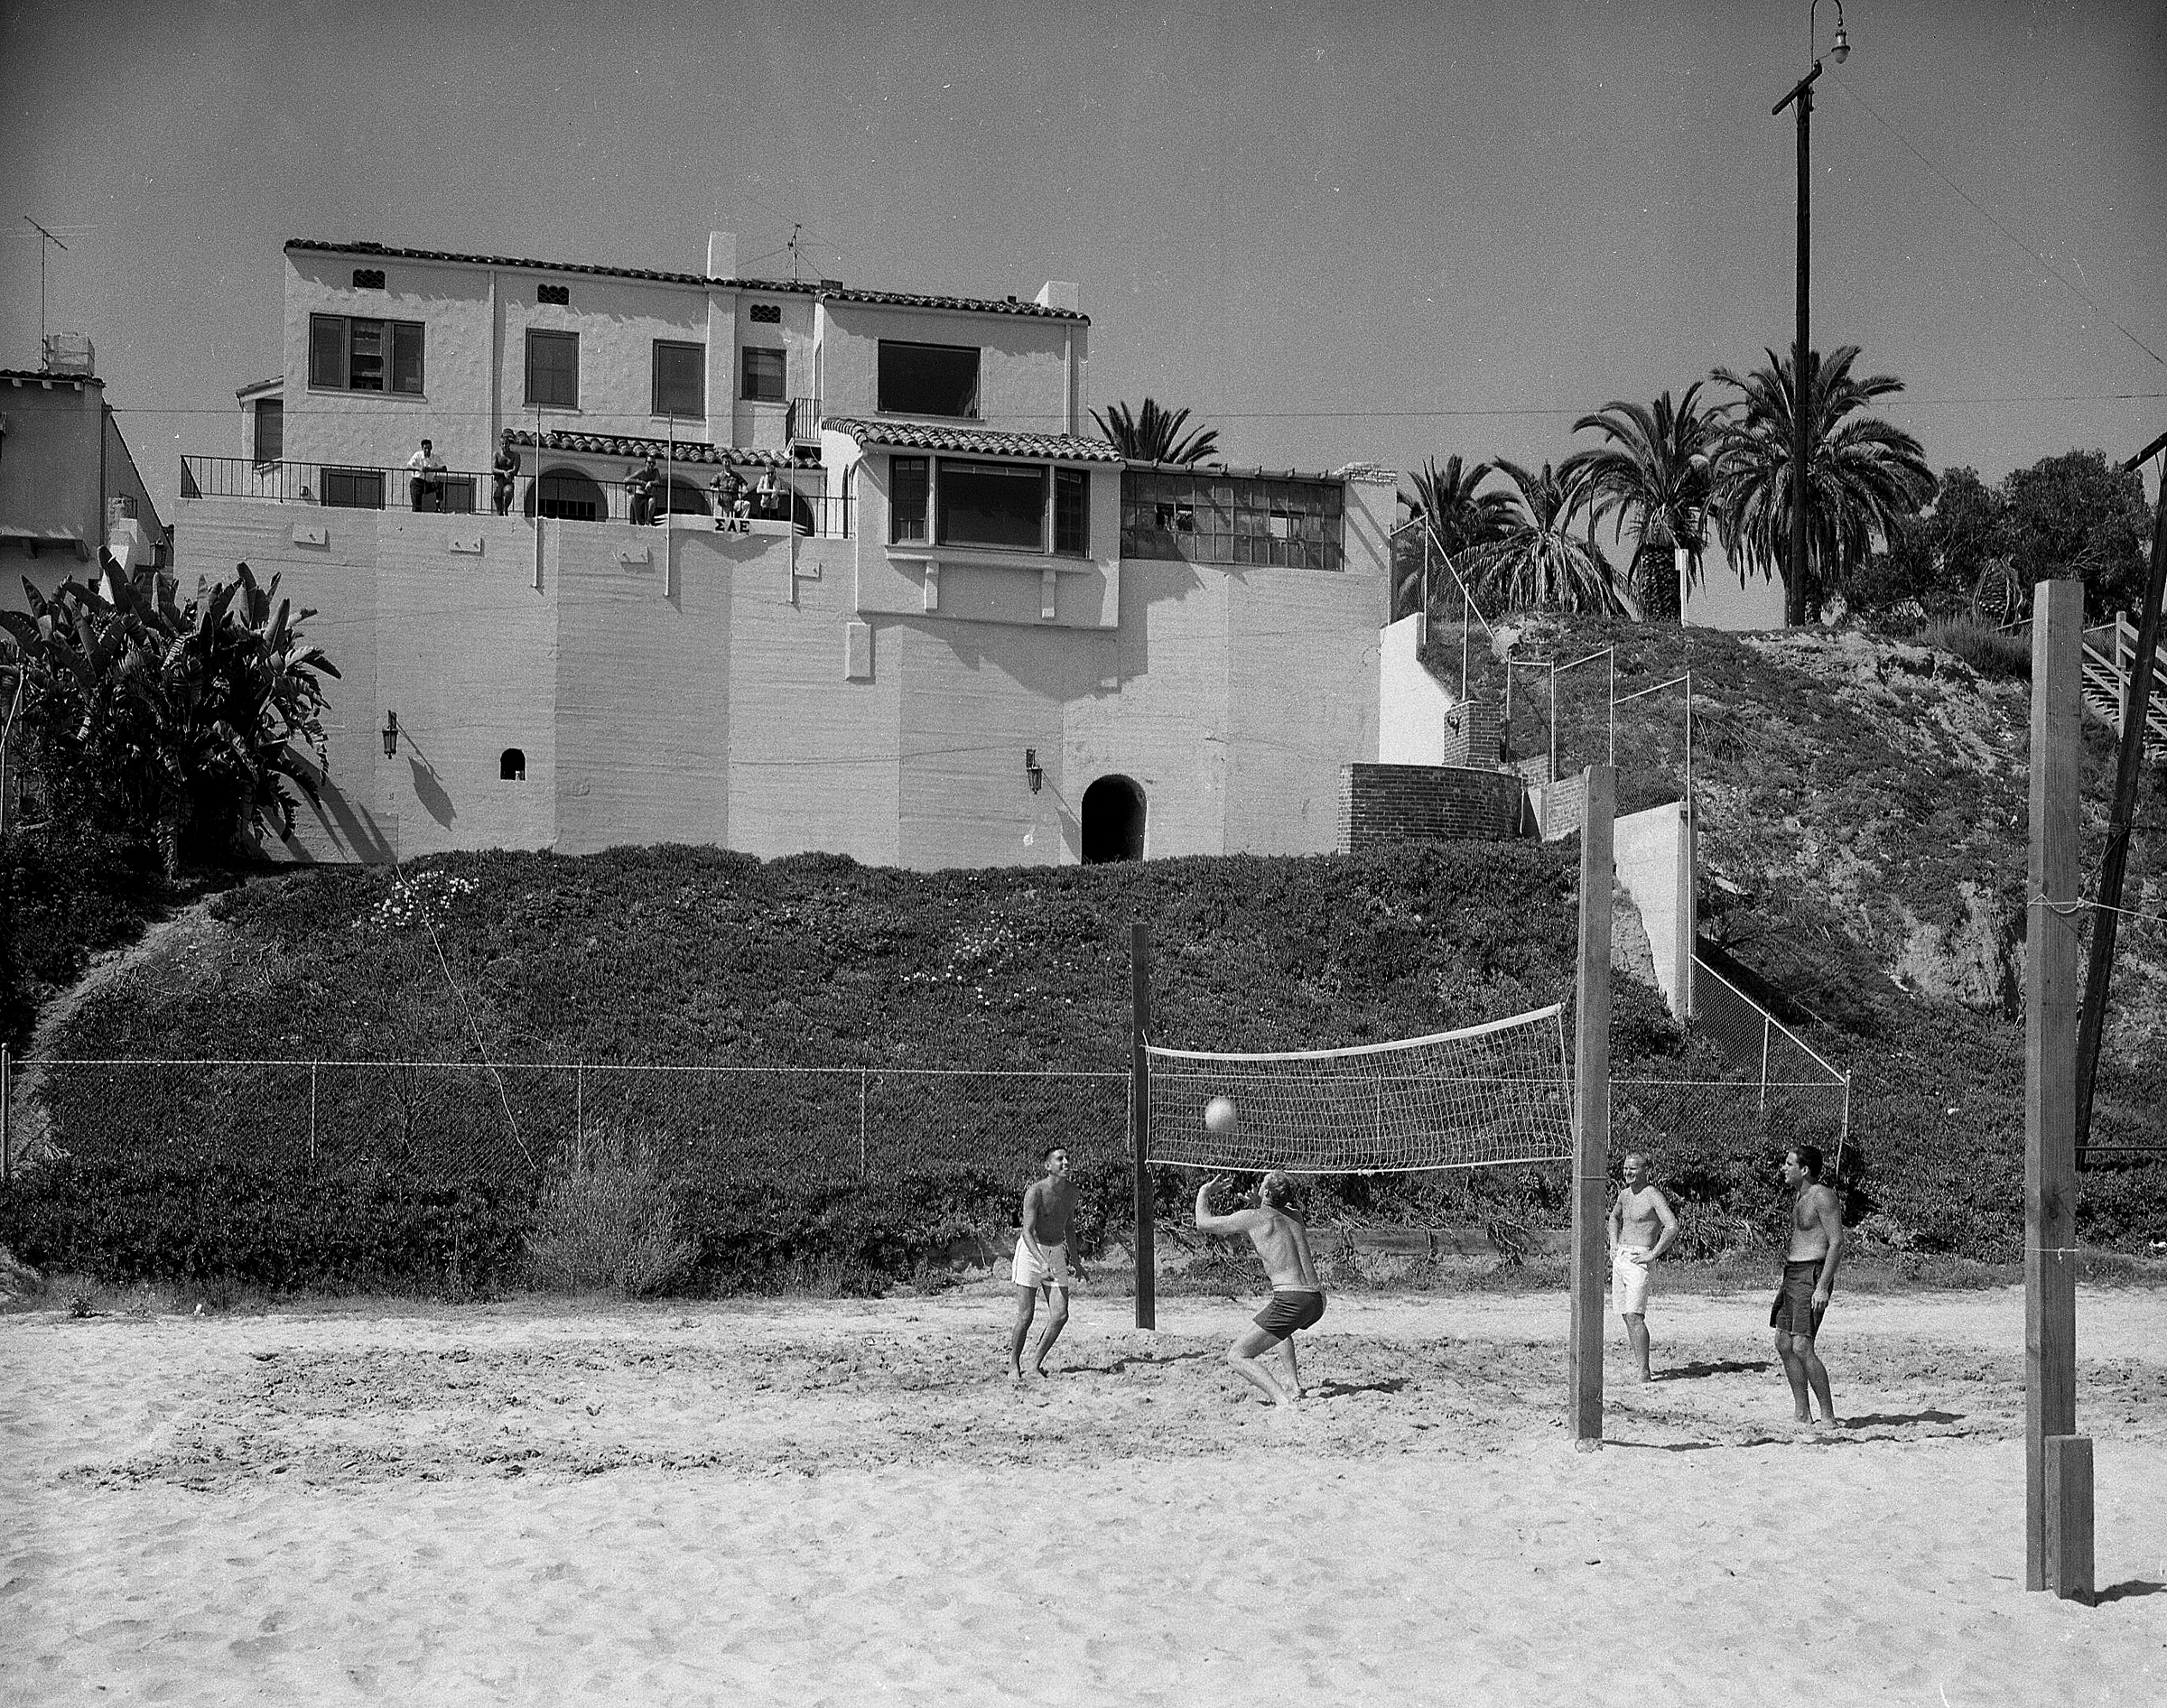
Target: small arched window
512,766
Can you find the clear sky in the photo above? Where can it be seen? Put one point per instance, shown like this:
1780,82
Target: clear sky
1383,232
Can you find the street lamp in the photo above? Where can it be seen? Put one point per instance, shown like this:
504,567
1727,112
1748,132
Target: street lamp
1801,391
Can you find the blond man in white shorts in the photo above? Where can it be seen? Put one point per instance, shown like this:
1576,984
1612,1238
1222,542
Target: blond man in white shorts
1641,1227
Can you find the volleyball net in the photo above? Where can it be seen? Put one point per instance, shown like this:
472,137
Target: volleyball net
1499,1093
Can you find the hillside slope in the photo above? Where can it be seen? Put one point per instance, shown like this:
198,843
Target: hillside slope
1862,842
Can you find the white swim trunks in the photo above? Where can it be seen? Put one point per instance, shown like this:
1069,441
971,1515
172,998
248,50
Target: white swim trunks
1629,1280
1039,1266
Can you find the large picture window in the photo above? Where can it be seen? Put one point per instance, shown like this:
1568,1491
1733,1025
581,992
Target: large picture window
349,353
928,379
764,373
1072,511
552,370
680,379
1000,504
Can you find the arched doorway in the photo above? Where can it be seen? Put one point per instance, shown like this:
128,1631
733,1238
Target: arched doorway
569,496
1113,821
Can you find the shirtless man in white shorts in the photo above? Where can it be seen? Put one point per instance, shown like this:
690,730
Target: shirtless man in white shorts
1641,1228
1043,1262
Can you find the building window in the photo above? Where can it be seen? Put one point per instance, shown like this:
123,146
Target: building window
909,479
270,430
1000,504
350,354
559,295
552,370
511,765
764,372
354,488
928,379
765,313
1072,511
368,278
680,379
1220,518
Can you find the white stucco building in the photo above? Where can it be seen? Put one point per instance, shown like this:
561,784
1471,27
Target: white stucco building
949,627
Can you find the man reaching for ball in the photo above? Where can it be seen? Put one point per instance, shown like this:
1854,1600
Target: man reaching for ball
1297,1299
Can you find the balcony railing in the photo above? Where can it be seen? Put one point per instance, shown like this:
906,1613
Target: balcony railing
803,423
564,495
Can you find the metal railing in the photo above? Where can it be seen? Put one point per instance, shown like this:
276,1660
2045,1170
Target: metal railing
692,490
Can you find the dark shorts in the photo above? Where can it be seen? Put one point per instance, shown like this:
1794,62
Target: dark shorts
1289,1311
1793,1311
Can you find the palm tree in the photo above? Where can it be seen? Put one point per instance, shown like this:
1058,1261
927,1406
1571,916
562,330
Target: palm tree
1537,562
1153,435
1863,475
1456,521
1651,480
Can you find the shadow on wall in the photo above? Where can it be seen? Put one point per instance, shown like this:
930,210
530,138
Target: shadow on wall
431,794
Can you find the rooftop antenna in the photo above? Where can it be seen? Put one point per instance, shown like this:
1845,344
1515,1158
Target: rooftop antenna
44,238
791,246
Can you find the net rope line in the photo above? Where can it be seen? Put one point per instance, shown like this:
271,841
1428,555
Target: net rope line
1495,1093
558,1067
2066,909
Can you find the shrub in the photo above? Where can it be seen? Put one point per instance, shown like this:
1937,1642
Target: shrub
1996,656
607,1222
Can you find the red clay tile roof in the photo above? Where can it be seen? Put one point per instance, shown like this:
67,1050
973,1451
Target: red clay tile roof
913,435
661,450
25,377
801,287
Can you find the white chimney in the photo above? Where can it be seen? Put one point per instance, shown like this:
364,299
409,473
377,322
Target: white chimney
721,255
1056,293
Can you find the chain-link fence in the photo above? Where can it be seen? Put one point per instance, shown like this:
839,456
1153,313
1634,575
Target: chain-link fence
702,1123
802,1125
1797,1095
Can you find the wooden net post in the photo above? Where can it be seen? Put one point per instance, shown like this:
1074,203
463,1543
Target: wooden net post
2058,1486
1591,1111
1140,1121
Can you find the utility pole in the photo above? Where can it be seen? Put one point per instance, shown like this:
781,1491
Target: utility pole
2137,707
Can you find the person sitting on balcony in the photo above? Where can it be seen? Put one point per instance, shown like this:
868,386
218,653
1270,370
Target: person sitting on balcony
503,471
646,481
426,486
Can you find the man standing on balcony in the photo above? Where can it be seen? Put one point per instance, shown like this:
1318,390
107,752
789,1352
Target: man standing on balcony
646,481
503,471
426,487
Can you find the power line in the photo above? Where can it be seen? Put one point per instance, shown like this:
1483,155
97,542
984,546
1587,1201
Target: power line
1998,225
423,414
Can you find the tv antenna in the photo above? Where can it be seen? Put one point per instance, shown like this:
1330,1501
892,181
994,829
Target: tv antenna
791,246
46,243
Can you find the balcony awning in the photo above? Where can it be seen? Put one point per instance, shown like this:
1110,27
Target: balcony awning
911,435
662,450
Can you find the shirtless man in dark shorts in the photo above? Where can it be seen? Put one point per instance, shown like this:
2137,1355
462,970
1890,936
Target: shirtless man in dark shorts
1816,1245
1043,1261
1297,1300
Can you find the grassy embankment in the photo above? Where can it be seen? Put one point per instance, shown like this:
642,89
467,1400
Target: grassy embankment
1861,817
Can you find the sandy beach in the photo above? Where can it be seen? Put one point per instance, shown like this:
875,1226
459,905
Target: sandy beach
813,1502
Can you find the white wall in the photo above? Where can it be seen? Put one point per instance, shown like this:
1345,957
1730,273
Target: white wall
1411,703
1654,855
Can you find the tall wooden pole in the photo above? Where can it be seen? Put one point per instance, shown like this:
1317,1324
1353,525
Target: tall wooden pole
1140,1119
1801,391
2058,1495
1591,1111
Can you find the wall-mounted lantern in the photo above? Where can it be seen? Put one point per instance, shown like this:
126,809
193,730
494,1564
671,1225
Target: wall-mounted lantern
1033,769
391,734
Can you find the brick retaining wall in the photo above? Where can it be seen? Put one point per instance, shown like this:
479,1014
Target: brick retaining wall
1381,803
